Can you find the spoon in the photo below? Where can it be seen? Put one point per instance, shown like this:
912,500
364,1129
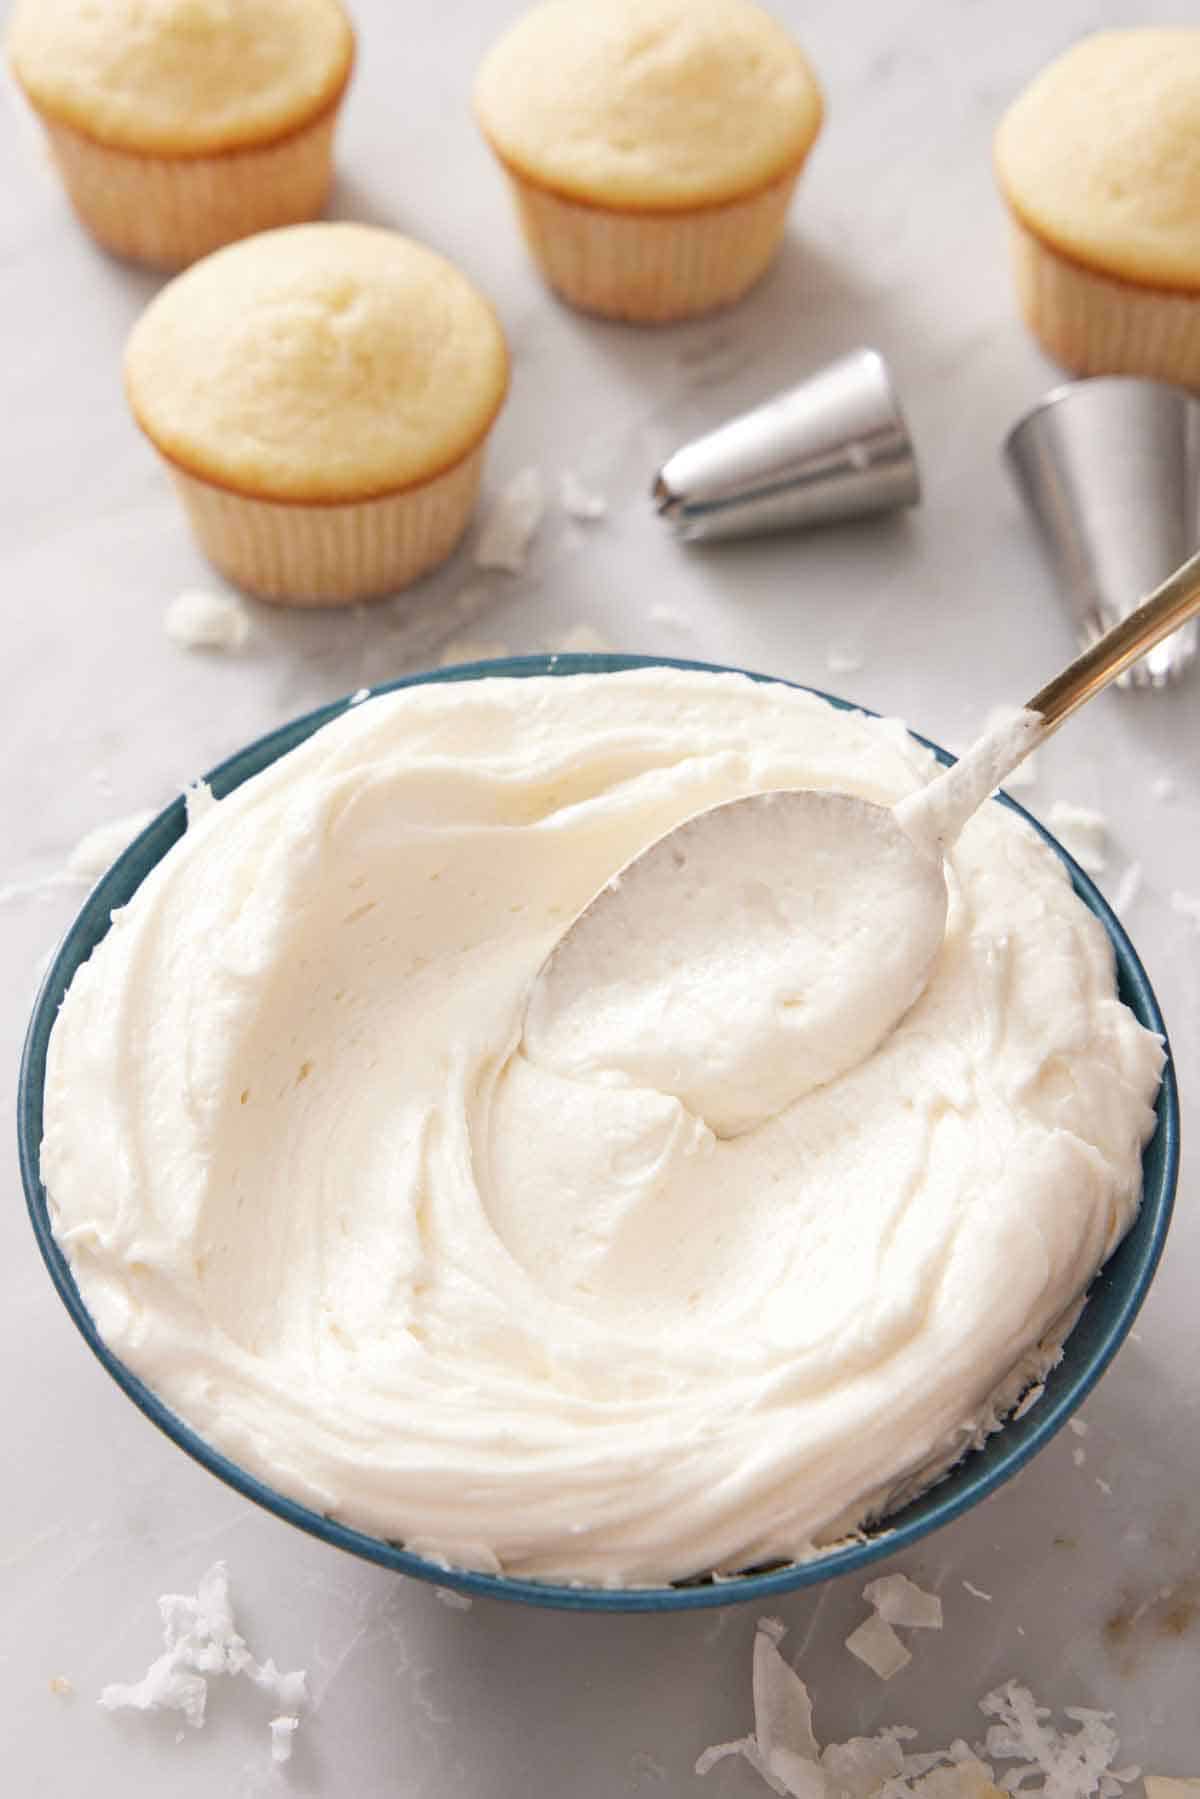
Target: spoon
769,944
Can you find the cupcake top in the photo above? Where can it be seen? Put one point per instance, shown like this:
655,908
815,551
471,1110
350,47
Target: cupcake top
1100,155
319,363
181,77
653,105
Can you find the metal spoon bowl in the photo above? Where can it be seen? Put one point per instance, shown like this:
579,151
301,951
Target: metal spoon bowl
839,910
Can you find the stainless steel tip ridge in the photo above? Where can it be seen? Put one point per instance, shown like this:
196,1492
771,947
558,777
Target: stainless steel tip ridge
834,447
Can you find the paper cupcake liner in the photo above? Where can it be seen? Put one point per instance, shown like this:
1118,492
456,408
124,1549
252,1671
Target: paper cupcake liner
652,267
169,210
331,555
1097,325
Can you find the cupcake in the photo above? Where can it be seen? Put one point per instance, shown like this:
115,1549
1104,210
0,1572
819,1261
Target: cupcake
652,147
1099,162
180,125
321,396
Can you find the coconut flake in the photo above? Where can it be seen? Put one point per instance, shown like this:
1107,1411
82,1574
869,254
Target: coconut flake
199,800
454,1600
510,525
197,620
876,1644
283,1730
201,1640
1079,1457
1030,1400
1128,889
782,1707
977,1592
61,1686
899,1600
1052,1763
783,1750
1083,834
860,1767
98,849
579,501
964,1779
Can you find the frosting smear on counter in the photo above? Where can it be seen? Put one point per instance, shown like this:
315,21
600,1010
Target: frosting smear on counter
316,1195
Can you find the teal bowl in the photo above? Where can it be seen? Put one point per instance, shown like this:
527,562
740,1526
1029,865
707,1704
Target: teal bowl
1113,1302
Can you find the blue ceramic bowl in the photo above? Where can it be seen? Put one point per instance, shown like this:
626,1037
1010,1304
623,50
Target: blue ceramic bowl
1116,1293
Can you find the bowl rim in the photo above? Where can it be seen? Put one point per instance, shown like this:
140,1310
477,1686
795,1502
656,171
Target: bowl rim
975,1477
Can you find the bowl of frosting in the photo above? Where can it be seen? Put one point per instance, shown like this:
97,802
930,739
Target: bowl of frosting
316,1209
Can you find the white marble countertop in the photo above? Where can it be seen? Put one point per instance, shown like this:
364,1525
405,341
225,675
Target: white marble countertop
897,240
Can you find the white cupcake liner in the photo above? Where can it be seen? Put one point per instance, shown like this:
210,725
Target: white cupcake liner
302,554
1096,324
167,211
652,267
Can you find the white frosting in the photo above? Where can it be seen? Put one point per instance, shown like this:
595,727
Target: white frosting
757,952
315,1196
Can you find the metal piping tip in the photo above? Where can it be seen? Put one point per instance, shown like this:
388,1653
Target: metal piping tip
1109,469
667,502
834,447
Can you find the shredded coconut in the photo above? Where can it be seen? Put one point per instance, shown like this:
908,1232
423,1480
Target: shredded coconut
283,1729
1082,833
98,849
1079,1457
510,525
61,1686
1052,1763
899,1600
196,620
977,1592
358,696
457,1602
1071,1762
200,1640
1030,1400
876,1644
1078,1426
579,501
1104,1487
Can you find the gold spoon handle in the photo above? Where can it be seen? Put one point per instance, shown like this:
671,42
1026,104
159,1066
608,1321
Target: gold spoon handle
1168,607
935,815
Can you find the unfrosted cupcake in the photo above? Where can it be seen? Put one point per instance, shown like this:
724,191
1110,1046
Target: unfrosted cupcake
180,125
1099,161
652,146
322,396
